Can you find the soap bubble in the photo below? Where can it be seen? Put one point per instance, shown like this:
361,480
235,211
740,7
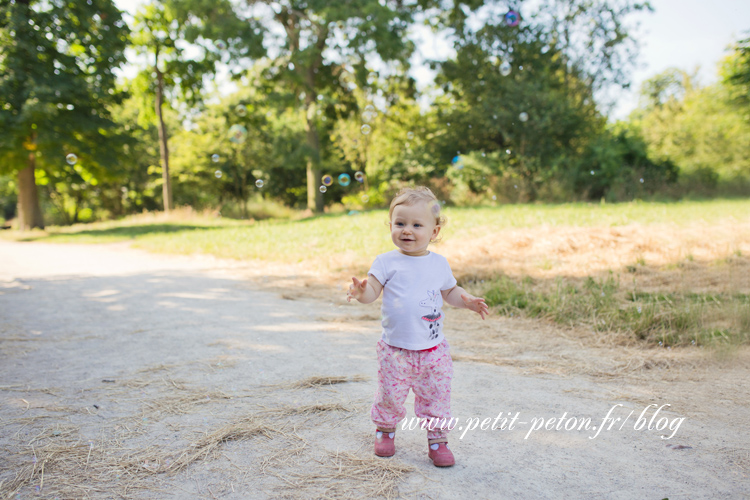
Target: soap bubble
512,18
365,198
71,159
370,108
221,44
215,158
241,110
218,174
641,180
368,116
592,172
524,116
237,134
507,151
410,135
505,68
359,176
290,66
366,129
259,183
327,180
323,189
344,180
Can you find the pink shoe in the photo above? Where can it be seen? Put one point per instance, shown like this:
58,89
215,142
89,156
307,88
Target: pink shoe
384,445
441,455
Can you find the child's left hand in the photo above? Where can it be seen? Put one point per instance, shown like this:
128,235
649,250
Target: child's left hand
476,304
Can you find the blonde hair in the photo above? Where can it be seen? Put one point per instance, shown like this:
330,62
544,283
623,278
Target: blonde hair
410,196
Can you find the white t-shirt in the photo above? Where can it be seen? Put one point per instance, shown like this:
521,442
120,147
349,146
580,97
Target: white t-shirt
412,302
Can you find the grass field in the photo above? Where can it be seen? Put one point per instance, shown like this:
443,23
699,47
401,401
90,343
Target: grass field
667,274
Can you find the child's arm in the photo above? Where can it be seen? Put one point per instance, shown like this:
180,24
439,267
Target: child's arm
458,297
365,291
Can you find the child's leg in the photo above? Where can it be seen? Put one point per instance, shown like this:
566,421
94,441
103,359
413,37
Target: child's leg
394,376
432,391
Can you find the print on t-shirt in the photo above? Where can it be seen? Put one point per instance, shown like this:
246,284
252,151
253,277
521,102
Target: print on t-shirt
431,302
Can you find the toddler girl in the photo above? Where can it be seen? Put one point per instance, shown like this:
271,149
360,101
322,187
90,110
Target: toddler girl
413,353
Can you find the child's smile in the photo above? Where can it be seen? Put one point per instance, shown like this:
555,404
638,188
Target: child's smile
412,228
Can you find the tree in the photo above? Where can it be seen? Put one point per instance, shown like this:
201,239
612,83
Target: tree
185,40
325,52
523,89
219,168
735,72
595,36
700,129
56,61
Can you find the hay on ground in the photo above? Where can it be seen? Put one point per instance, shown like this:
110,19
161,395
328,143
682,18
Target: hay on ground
319,381
63,465
346,475
241,430
317,408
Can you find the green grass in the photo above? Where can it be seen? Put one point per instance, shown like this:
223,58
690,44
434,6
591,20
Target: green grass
366,233
589,214
662,318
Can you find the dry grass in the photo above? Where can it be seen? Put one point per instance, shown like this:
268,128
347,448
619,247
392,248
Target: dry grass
312,409
550,252
47,458
245,428
183,403
74,468
346,475
321,381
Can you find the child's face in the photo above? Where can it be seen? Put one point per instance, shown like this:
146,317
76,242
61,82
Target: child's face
412,228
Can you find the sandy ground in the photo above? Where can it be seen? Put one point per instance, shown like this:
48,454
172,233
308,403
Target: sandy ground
130,375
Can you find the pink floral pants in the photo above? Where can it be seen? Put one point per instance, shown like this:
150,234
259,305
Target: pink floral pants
427,373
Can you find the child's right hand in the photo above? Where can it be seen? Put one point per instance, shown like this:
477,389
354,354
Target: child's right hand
356,289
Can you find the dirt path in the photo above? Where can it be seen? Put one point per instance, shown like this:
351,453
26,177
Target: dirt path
127,374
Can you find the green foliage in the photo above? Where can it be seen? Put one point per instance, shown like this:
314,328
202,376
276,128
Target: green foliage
57,60
617,166
735,74
325,54
186,40
8,197
536,122
699,129
269,150
304,105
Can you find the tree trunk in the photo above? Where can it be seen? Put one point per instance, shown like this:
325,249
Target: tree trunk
29,212
163,147
314,196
